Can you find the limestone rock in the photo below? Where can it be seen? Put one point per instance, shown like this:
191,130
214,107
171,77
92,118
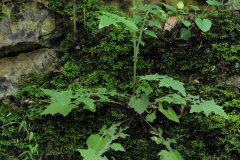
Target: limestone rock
12,69
26,26
233,82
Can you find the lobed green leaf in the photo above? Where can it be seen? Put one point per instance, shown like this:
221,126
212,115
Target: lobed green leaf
61,102
207,107
174,84
139,104
117,147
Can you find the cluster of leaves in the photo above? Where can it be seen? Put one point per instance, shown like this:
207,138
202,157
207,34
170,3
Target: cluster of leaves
100,143
63,102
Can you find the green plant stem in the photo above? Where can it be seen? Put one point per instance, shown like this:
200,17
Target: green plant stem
164,141
136,43
141,30
135,50
110,141
205,9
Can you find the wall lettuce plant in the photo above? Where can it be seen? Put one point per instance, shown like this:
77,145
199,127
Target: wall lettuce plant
143,98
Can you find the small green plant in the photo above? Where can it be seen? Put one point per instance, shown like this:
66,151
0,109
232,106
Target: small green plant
169,154
100,143
204,24
32,148
144,99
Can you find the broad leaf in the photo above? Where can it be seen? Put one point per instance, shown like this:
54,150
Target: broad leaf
150,33
103,97
106,21
130,24
156,139
151,8
154,22
151,116
185,34
170,155
162,14
90,109
186,23
174,84
123,135
147,90
196,8
204,24
207,107
169,113
169,141
117,147
89,154
213,3
170,7
109,18
172,98
139,104
61,102
87,101
96,142
82,91
137,19
180,5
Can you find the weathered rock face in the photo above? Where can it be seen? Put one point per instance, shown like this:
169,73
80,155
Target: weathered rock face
26,26
25,32
14,68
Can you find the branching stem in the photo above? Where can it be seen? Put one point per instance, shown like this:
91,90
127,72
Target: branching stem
164,141
135,50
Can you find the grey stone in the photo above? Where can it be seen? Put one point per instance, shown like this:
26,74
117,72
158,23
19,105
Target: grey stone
25,34
22,35
12,69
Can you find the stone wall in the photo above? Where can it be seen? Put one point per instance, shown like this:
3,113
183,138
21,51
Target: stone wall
25,36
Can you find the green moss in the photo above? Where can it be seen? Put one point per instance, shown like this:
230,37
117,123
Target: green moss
105,60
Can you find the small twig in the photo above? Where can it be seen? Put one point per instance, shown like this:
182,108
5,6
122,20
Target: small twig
44,101
127,120
199,46
130,121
